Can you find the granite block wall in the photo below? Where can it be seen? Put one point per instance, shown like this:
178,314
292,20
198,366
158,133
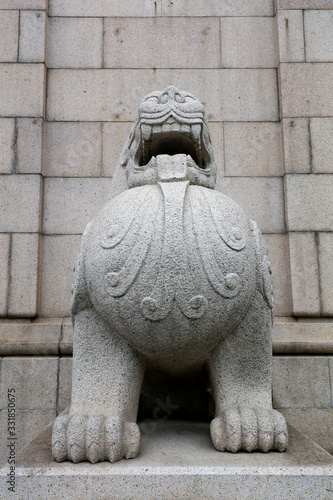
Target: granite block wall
71,77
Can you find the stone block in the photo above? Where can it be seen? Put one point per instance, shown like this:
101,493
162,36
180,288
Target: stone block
261,198
291,36
73,149
4,272
67,45
65,383
69,204
32,36
7,133
322,144
217,8
318,25
24,4
301,382
39,337
306,89
22,297
296,145
187,43
66,343
325,249
20,197
22,89
29,149
253,149
278,253
9,35
58,258
309,201
28,424
114,137
304,4
249,42
315,423
228,94
305,336
105,8
34,381
304,274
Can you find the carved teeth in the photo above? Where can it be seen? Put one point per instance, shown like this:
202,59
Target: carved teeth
196,129
146,131
157,129
185,128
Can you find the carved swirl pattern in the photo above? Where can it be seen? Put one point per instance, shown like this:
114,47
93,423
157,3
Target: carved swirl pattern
174,281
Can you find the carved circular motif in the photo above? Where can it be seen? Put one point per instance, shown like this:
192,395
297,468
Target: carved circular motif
150,304
198,302
112,279
236,233
232,281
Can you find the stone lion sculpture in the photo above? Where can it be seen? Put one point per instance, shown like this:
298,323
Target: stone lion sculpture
172,276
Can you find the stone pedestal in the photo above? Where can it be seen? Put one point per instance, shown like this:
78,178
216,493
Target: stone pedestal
177,461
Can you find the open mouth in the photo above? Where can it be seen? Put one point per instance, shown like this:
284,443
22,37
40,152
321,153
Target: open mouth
172,138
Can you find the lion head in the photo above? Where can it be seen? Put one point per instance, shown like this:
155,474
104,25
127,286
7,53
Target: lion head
171,122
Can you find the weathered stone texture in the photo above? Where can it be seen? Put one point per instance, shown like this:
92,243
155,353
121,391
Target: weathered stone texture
4,271
32,36
315,423
29,144
65,383
306,89
9,35
217,8
249,42
291,36
318,27
304,4
253,149
233,94
19,203
69,204
73,149
22,89
74,43
146,8
261,198
24,4
29,424
37,337
296,145
278,252
7,131
105,8
309,201
325,247
304,274
187,43
301,382
35,380
58,258
22,297
114,136
322,144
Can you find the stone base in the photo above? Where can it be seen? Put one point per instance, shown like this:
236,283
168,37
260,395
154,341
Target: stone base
177,460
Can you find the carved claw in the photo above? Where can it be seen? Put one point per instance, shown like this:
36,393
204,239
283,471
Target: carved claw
249,429
94,438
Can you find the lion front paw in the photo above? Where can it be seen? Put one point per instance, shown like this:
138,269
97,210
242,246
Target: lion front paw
94,438
249,429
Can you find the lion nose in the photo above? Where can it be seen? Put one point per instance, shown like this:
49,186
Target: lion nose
171,93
